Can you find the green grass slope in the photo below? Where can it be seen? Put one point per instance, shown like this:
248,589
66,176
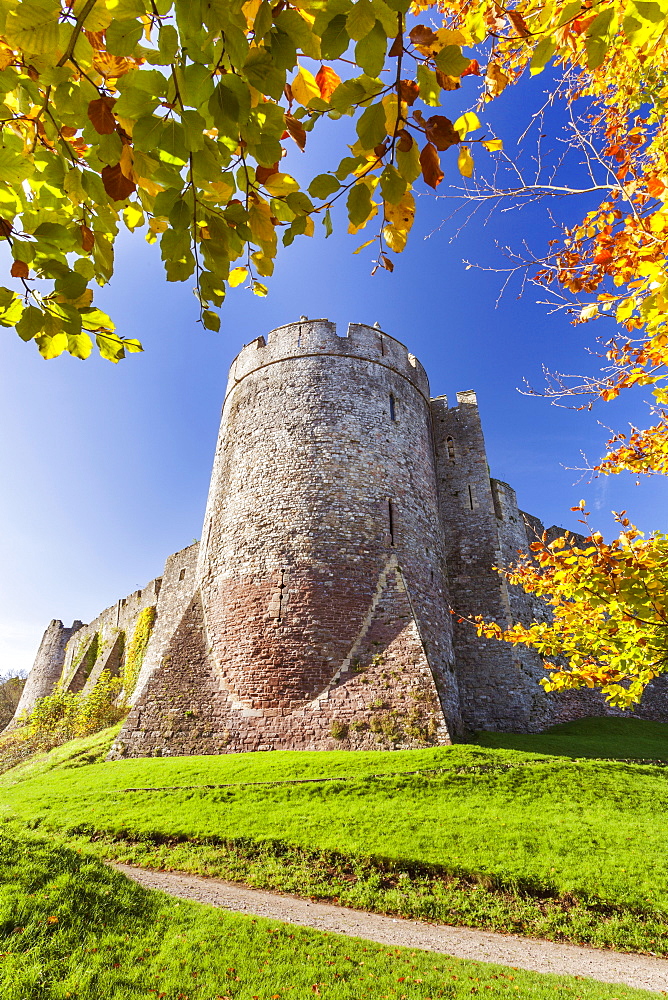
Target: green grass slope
618,739
573,849
72,928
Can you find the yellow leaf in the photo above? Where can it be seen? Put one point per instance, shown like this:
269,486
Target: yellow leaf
395,238
363,245
304,87
259,220
126,162
222,189
237,276
310,227
259,289
401,215
279,184
52,347
391,106
496,80
465,161
466,123
157,225
492,145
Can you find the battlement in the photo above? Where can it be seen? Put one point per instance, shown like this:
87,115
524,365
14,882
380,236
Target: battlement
318,337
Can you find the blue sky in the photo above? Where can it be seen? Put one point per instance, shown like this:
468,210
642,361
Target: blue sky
106,468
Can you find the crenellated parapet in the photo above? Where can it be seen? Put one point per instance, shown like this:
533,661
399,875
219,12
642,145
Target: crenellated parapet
319,337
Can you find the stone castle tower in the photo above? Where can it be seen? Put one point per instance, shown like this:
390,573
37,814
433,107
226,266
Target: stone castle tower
348,513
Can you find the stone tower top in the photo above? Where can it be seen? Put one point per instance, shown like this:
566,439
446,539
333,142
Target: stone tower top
318,337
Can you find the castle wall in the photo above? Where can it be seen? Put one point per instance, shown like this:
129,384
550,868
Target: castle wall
47,667
497,683
324,475
175,593
348,516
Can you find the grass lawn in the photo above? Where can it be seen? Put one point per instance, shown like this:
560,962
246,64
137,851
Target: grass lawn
509,839
72,928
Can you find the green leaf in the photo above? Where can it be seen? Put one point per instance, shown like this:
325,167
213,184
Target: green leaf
370,50
260,71
147,133
14,168
71,285
451,61
430,90
408,164
650,11
194,125
542,55
327,223
323,185
347,165
360,20
54,234
335,38
30,324
174,244
135,102
181,214
173,142
359,204
371,127
122,36
210,320
392,184
168,42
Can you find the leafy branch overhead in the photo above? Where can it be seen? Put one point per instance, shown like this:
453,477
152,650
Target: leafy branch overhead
174,118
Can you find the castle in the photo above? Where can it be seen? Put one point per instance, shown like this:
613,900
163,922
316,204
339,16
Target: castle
348,513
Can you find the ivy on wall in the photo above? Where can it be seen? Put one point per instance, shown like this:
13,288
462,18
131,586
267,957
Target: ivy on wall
136,650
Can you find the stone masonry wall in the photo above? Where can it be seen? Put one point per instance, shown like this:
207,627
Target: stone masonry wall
382,696
324,471
497,683
47,667
76,657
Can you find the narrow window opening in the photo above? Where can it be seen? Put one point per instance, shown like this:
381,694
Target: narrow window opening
390,520
432,576
382,346
471,497
182,575
451,448
393,412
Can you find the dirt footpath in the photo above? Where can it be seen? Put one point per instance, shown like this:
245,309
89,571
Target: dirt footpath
534,955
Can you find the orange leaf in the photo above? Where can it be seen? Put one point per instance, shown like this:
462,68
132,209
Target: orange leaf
19,269
327,80
101,115
264,173
87,239
431,166
441,132
296,130
409,91
116,184
518,23
473,68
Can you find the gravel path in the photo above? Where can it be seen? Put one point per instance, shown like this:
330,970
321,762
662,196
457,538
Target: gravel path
534,955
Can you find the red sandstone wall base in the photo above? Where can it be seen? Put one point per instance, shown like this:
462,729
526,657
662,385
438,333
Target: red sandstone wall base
383,696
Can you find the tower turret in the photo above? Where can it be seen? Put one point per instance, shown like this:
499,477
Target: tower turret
321,576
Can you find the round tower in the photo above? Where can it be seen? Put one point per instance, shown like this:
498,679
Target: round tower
322,544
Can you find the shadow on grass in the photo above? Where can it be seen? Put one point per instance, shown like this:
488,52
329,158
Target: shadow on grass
599,737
